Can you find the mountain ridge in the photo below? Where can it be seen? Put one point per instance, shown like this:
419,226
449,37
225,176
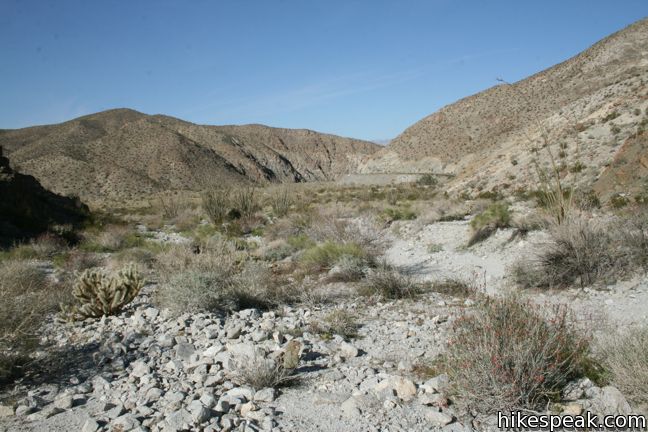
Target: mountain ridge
122,153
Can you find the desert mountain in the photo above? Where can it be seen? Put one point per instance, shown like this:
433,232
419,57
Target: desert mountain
588,106
122,153
27,209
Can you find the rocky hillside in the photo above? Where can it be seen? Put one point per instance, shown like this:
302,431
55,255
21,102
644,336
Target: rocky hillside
122,153
27,209
588,105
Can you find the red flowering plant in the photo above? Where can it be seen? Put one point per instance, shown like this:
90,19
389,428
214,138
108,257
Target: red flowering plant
506,353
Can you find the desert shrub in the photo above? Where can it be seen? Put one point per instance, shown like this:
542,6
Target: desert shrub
259,372
496,216
245,201
216,204
588,199
111,239
618,201
301,242
246,225
192,281
634,236
99,293
392,214
194,291
508,354
170,206
47,245
338,322
625,357
328,254
252,287
427,180
142,257
388,283
278,252
434,248
579,252
26,298
453,287
350,269
281,201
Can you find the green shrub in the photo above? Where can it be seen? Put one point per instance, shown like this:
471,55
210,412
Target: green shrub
338,322
326,255
508,354
392,214
427,180
618,201
496,216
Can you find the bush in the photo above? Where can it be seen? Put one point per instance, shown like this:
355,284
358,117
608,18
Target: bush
579,252
427,180
112,239
454,287
99,293
326,255
259,372
496,216
625,357
194,291
509,354
26,299
281,201
350,269
338,322
388,283
396,213
245,201
216,204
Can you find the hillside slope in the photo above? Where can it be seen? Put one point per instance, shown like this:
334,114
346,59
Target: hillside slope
122,153
589,104
27,209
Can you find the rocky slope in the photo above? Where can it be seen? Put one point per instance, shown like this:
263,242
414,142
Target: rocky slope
123,153
27,209
588,106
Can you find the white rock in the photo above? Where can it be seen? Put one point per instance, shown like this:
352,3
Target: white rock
438,419
348,351
265,395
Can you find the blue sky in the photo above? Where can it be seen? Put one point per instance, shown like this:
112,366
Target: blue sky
366,69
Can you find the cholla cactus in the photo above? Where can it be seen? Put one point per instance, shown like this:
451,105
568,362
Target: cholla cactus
100,293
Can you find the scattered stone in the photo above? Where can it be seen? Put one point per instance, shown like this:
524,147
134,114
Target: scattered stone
437,418
265,395
403,387
348,351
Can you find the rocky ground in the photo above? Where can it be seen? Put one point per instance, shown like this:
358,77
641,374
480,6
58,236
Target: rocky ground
145,370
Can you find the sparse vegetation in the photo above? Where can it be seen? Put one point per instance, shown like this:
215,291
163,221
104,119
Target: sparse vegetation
496,216
26,298
338,322
388,283
259,372
216,204
508,354
625,357
326,255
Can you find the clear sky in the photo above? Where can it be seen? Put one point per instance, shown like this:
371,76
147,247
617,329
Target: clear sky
366,68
